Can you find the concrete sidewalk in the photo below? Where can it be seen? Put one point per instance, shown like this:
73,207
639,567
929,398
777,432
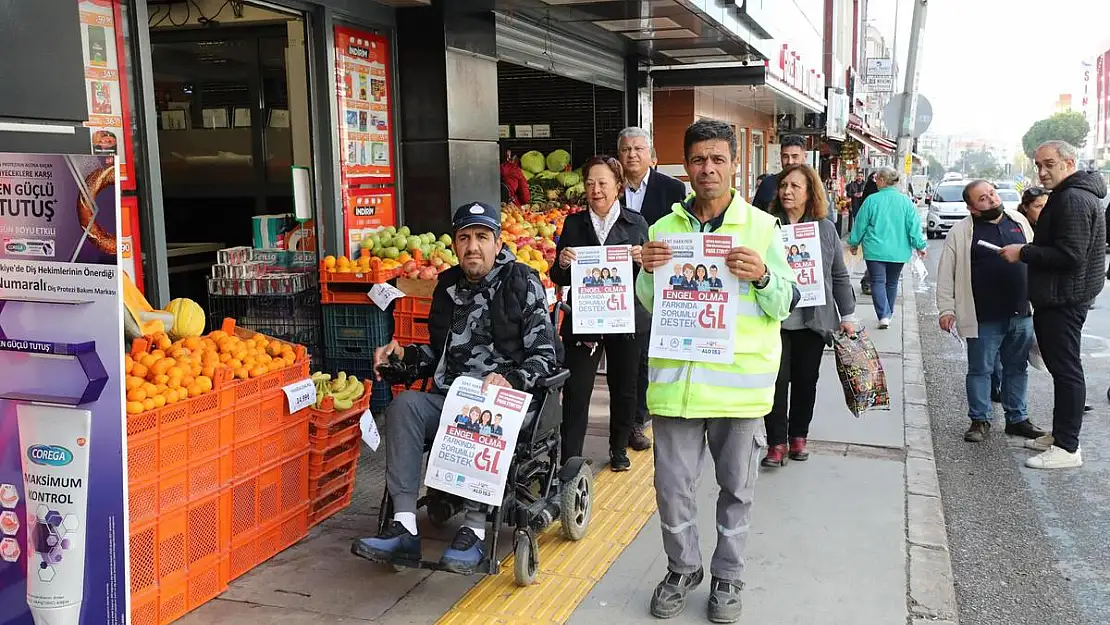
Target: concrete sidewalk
854,536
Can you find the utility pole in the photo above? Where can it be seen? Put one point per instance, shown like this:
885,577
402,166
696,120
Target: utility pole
909,97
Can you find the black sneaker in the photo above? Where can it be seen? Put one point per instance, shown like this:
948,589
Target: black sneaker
978,431
725,604
619,462
669,599
1024,429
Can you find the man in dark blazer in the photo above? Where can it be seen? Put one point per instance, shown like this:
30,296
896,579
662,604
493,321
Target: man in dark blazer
652,194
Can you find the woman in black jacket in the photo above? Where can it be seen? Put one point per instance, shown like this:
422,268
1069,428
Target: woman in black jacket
606,222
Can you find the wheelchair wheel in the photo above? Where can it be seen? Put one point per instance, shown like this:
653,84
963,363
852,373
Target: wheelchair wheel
526,559
576,504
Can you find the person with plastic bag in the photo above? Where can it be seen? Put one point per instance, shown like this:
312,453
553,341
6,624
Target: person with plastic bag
986,300
889,229
807,331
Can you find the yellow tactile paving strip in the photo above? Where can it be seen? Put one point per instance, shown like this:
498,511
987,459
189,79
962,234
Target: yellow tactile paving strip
622,505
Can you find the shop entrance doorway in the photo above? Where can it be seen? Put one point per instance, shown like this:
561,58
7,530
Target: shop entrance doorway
231,94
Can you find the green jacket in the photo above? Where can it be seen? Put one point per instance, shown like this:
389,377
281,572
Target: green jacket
745,388
888,226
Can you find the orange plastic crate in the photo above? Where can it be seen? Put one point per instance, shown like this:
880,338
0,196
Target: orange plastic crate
265,496
206,580
319,418
322,482
158,551
210,435
337,454
173,599
371,276
410,320
325,506
176,416
142,502
254,548
244,510
291,440
323,444
209,522
144,608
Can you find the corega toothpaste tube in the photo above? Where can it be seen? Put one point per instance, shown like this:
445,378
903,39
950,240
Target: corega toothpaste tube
55,445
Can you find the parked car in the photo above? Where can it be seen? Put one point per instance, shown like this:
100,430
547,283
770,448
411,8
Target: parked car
1011,199
946,207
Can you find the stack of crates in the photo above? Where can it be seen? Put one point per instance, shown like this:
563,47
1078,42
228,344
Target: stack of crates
334,441
352,332
217,485
410,317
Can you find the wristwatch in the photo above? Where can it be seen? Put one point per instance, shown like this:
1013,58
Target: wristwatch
764,280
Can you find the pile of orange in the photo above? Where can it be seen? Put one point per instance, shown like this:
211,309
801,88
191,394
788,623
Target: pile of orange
174,371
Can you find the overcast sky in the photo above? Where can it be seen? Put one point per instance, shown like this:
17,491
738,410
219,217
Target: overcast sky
993,67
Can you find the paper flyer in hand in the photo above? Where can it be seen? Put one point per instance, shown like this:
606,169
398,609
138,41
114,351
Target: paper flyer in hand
475,440
601,286
803,253
695,300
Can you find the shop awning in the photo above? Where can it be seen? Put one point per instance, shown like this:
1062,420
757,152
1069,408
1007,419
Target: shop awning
783,90
875,143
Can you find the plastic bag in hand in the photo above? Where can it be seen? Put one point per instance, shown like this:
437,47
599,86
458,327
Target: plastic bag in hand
861,372
920,271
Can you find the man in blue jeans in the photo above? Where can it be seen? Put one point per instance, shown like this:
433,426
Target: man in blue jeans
986,300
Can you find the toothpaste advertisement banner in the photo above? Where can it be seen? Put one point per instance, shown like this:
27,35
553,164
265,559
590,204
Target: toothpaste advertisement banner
601,279
695,302
475,440
803,253
63,560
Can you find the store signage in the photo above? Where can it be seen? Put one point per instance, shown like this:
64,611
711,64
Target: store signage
836,120
522,132
365,119
503,132
300,395
792,71
365,211
880,75
62,416
541,131
103,53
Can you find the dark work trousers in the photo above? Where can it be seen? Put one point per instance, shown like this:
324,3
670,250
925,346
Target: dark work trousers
1059,331
799,369
642,380
622,364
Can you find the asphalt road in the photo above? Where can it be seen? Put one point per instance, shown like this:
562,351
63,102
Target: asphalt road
1027,546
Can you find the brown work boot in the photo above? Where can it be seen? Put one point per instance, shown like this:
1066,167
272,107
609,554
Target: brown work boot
978,431
639,441
776,456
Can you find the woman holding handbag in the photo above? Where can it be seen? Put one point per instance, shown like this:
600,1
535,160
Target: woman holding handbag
606,222
801,199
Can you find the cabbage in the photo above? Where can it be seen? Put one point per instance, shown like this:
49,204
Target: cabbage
547,175
558,160
532,161
576,190
568,179
528,175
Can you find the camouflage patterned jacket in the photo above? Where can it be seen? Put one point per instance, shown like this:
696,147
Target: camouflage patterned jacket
481,328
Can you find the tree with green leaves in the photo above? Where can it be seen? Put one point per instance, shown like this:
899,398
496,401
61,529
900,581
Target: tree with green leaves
936,169
978,164
1071,127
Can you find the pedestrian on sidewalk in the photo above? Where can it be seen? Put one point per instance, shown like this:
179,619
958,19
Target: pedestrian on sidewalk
792,151
695,405
605,222
869,189
1067,264
986,300
651,194
807,331
889,229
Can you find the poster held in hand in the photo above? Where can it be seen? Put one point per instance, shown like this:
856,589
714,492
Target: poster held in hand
475,440
601,279
695,300
803,253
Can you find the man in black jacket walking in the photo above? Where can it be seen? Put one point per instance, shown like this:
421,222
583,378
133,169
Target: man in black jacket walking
1066,272
652,194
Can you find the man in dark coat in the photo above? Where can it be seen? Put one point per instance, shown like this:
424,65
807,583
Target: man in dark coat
1066,260
792,152
652,194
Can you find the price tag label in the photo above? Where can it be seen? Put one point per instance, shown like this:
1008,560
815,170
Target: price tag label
370,434
384,294
301,394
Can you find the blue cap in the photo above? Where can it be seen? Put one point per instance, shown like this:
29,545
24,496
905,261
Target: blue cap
477,214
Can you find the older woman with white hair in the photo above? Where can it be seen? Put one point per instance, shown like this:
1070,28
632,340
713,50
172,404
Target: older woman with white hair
889,229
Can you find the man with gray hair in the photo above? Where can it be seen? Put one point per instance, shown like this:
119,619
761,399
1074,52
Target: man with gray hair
652,194
1066,263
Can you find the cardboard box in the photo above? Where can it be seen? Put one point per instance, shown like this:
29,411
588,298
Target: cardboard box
417,288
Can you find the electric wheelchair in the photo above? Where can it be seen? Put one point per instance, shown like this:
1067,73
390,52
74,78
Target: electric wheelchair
542,487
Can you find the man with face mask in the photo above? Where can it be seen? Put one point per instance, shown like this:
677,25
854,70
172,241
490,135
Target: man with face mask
986,300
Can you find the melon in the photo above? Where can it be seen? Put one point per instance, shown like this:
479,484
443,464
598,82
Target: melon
188,318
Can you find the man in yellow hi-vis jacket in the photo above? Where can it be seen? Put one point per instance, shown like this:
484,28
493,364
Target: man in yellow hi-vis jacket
719,406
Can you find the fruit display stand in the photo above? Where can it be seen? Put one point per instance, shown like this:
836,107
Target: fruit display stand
217,465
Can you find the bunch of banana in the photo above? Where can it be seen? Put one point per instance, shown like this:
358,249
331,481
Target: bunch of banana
344,390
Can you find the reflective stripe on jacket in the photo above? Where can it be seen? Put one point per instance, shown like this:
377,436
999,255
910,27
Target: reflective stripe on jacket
746,388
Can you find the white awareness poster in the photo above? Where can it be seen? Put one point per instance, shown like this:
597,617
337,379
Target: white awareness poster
695,300
474,443
803,253
601,287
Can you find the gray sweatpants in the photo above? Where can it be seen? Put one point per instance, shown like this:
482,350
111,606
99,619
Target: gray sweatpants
680,446
411,421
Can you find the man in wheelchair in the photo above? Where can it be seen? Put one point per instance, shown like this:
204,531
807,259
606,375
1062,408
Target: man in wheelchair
489,320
